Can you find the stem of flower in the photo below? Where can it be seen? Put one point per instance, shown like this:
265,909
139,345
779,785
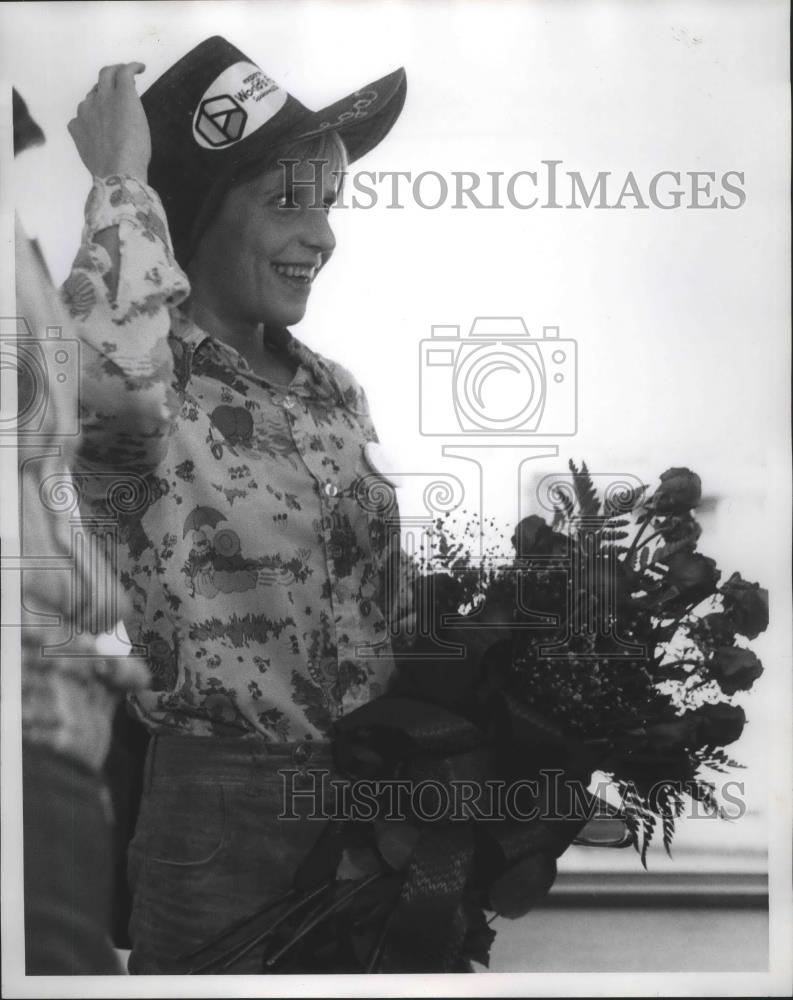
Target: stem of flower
377,951
241,949
239,924
307,928
647,541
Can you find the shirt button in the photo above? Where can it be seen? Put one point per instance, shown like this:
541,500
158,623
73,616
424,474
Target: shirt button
330,489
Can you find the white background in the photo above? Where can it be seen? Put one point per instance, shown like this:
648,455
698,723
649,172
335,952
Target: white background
682,317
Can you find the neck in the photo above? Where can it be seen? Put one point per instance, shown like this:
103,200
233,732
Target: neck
242,335
265,355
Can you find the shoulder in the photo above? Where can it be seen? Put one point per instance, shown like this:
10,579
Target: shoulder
340,380
351,393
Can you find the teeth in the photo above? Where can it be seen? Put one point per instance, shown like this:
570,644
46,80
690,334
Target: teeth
300,271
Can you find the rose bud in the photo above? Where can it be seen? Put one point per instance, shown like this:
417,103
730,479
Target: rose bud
735,669
693,576
718,725
747,605
680,490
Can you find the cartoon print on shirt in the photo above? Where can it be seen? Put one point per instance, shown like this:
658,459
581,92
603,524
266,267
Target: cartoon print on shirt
333,682
235,423
215,564
199,567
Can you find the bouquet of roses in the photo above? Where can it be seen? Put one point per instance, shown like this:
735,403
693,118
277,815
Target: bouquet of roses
639,655
607,644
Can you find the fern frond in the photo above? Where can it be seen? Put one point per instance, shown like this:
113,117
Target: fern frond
609,535
705,793
668,822
586,494
648,824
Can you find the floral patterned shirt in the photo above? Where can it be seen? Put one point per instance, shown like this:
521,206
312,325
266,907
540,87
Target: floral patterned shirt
254,539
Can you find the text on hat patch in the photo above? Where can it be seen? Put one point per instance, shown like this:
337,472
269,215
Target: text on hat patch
235,104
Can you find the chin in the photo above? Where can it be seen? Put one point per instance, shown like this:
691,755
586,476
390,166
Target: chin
286,315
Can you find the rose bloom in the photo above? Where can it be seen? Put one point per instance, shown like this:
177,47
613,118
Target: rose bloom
719,725
734,668
533,537
680,490
693,575
747,606
719,627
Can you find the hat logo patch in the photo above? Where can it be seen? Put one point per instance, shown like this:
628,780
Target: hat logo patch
235,104
220,121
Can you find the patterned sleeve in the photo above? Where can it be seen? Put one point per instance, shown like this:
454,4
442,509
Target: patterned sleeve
120,300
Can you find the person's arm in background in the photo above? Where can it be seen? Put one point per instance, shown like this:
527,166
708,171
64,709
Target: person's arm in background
73,674
123,283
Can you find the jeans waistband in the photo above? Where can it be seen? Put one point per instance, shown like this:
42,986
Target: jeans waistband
226,759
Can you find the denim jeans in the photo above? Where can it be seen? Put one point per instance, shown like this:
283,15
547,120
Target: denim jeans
209,846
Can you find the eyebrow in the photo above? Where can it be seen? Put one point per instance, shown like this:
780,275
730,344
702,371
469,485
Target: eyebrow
330,188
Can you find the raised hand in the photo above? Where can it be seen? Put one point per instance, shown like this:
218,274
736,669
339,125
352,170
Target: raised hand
110,129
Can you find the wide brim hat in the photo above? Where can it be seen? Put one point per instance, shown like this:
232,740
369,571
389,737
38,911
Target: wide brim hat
215,113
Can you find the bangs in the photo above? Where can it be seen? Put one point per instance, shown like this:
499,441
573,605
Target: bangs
327,148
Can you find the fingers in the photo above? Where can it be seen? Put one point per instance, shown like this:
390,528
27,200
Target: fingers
107,76
117,75
127,73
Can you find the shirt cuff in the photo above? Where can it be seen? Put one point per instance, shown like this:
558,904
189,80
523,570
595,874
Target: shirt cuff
122,198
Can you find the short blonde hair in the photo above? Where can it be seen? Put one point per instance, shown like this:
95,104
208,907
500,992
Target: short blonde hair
326,147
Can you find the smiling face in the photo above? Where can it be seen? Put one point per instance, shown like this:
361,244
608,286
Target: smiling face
259,255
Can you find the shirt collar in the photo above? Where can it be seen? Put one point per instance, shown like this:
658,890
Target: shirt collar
311,367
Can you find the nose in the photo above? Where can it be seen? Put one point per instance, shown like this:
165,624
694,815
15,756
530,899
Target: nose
316,232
